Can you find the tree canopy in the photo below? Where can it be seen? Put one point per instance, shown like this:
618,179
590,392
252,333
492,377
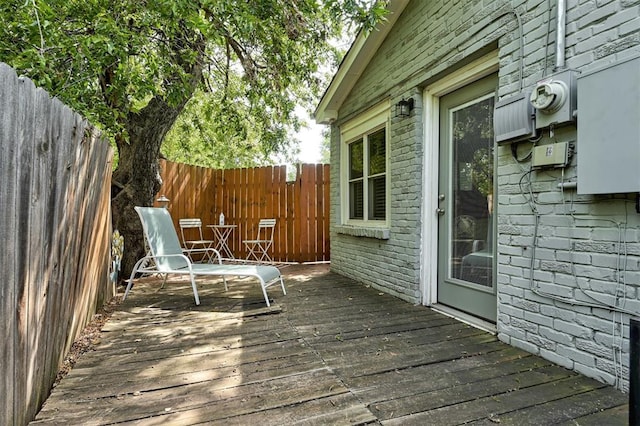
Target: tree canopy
131,68
257,60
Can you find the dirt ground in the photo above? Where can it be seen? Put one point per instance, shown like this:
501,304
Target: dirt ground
88,338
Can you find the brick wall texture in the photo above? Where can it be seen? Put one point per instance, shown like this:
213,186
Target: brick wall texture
568,265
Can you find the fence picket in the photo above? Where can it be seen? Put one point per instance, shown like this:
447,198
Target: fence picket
56,175
245,196
326,210
319,243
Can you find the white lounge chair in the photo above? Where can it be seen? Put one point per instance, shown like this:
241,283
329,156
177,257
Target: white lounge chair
167,257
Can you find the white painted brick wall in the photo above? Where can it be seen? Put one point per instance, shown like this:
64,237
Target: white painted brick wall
581,254
587,247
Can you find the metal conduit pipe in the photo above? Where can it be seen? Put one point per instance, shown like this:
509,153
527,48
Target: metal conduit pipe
561,20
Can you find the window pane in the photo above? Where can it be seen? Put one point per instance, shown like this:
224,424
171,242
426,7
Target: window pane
356,200
472,232
377,152
377,198
356,155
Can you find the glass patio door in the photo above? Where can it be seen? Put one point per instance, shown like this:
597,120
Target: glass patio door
466,272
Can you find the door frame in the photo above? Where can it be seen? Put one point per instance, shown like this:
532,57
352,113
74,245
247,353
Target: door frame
477,69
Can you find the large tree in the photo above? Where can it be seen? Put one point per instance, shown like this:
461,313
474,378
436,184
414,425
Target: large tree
131,67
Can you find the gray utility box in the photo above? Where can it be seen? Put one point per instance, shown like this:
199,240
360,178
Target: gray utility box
513,119
550,155
609,129
554,99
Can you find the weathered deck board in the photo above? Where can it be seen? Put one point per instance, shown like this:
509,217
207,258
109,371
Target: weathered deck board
474,386
394,385
491,407
615,416
591,405
331,351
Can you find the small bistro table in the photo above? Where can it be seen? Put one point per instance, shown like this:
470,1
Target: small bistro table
222,234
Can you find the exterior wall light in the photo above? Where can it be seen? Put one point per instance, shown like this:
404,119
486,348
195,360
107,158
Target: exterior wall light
163,201
404,107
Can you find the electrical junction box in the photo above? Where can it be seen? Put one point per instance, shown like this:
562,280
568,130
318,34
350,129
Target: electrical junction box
551,155
554,99
513,119
609,129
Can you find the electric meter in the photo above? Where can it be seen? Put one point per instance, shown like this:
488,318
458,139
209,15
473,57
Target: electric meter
554,99
548,97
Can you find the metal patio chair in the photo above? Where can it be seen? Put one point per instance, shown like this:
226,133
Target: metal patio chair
188,227
258,248
193,224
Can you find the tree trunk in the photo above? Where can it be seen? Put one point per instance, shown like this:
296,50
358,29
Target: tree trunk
137,178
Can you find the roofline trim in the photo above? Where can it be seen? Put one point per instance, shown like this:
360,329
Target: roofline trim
353,64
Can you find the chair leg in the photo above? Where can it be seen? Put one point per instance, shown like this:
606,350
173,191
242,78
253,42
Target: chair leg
259,252
126,291
282,285
195,289
252,252
264,252
264,291
133,274
164,280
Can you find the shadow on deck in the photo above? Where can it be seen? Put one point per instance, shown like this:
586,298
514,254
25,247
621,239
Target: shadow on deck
332,351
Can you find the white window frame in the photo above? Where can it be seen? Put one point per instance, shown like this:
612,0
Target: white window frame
353,130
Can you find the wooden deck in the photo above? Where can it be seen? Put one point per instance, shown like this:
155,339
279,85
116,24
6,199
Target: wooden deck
332,351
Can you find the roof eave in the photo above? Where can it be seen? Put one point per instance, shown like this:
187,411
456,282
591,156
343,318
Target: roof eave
355,61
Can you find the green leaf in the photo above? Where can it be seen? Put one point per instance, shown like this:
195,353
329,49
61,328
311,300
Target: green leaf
259,59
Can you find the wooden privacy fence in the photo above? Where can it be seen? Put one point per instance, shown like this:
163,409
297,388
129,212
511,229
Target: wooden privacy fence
245,196
56,235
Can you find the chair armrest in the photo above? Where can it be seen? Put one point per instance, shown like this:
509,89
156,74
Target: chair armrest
167,256
142,265
209,251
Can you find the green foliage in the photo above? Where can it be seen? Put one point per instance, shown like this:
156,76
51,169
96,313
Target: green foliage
132,66
473,136
251,61
211,134
325,149
103,61
482,170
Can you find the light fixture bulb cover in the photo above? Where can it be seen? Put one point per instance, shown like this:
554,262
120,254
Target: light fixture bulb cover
404,107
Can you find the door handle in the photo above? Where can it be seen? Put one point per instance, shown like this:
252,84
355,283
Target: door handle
440,211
